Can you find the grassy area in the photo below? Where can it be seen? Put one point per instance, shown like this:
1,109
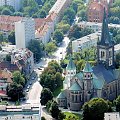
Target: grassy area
57,91
73,116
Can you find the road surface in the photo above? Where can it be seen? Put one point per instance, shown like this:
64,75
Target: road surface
36,88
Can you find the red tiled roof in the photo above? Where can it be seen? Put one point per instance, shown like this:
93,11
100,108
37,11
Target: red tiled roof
7,23
9,66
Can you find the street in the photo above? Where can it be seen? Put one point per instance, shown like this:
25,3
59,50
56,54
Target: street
36,88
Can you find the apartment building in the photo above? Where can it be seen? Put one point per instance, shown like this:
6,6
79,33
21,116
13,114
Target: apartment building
24,60
112,116
24,32
16,4
24,112
85,42
96,26
59,8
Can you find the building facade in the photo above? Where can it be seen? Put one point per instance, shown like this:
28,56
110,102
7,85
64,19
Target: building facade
112,116
101,81
16,4
85,42
96,10
96,26
24,112
24,32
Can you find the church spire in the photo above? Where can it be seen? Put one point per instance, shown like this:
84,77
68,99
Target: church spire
105,36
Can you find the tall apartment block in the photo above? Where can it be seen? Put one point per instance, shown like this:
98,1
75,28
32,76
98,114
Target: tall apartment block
15,3
24,32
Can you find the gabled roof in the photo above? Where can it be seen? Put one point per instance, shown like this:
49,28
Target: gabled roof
79,76
87,67
102,73
71,65
75,87
61,95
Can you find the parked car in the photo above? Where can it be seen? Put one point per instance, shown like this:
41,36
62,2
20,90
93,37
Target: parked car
30,83
39,68
33,78
27,90
28,86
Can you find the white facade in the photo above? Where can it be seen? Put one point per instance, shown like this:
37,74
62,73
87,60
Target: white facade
24,112
85,42
96,26
15,3
24,32
112,116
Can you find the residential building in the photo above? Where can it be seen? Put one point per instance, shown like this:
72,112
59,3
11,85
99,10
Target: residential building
59,8
6,50
99,81
16,4
24,32
85,42
96,26
5,80
96,10
7,23
112,116
24,112
23,58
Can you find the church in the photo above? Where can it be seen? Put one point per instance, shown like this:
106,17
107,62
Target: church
99,81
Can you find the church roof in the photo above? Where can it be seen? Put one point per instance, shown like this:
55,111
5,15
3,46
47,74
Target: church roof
71,65
75,87
87,67
105,36
79,75
61,95
108,75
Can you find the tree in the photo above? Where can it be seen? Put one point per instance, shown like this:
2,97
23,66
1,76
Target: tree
8,58
6,11
43,118
58,36
61,116
95,109
63,27
46,95
1,37
75,32
54,110
70,13
11,37
18,78
49,77
117,104
42,13
50,47
15,91
37,48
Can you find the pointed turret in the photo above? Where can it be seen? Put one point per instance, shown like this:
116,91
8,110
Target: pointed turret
71,65
105,36
87,67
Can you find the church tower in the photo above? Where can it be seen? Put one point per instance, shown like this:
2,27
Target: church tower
70,71
87,81
105,47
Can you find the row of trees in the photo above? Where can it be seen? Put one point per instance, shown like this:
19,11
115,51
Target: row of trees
114,12
52,76
15,89
32,8
95,108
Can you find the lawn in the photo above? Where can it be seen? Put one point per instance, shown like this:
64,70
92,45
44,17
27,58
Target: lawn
57,91
73,116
